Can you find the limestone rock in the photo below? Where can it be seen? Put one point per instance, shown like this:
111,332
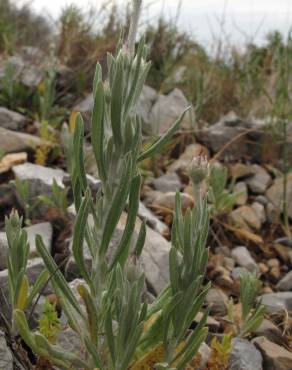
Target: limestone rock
275,357
285,284
167,109
13,142
217,301
244,356
241,188
6,359
276,302
259,182
275,194
11,120
167,182
244,259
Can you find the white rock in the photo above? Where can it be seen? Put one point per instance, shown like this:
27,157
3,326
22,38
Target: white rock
243,258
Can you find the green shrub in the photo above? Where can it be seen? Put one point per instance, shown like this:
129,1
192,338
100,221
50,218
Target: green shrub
115,326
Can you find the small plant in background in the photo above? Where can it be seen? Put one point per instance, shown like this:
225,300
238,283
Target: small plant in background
22,191
219,359
58,198
49,323
220,198
252,312
48,137
21,296
13,94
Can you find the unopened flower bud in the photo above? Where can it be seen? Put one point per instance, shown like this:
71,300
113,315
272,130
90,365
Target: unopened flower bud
198,169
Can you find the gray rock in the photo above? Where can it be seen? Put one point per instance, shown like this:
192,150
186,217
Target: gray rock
243,258
286,241
44,229
285,284
241,188
259,209
205,352
275,194
270,331
13,142
244,356
217,301
144,105
275,357
151,219
229,126
167,109
237,272
6,359
167,182
276,302
262,199
246,218
259,182
40,178
167,200
11,120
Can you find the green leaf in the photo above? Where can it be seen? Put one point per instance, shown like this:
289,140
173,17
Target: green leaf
159,143
56,274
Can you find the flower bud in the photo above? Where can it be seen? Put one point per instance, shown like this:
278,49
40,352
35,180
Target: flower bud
198,169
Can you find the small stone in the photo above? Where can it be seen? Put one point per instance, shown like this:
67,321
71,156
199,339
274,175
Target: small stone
275,357
241,189
10,160
275,194
270,331
167,182
259,209
13,141
11,120
263,268
205,353
240,170
272,213
152,220
167,109
274,274
259,182
244,356
273,262
167,200
237,272
276,302
285,284
212,324
262,200
243,258
229,263
6,359
217,301
246,218
286,241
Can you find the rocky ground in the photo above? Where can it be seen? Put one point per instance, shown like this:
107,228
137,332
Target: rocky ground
250,237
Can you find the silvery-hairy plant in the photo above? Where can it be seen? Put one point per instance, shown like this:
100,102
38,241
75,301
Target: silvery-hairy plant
20,294
116,328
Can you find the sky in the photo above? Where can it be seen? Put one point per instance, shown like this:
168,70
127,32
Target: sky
233,21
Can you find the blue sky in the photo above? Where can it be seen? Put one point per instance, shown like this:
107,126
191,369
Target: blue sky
233,21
